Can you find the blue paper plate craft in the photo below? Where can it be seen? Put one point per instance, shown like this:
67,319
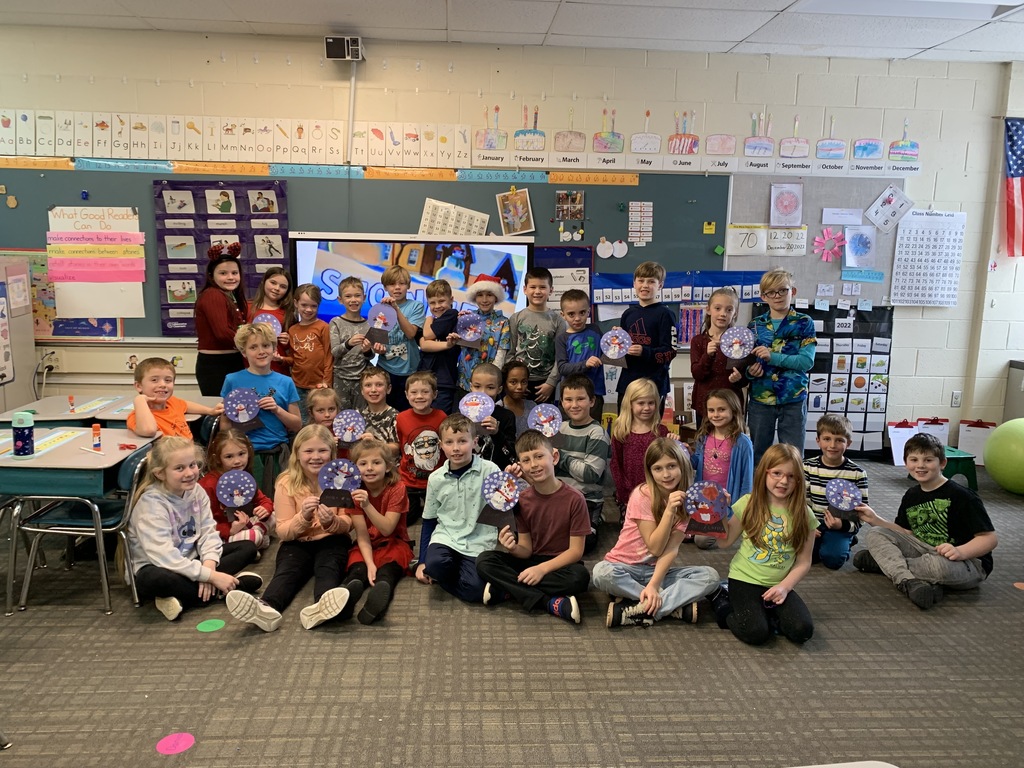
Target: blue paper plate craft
236,488
501,490
242,405
737,342
706,502
615,343
476,406
470,327
269,319
349,425
382,317
546,419
341,474
843,495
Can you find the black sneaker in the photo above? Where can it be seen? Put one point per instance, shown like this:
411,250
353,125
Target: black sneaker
377,599
249,582
721,606
355,591
864,562
688,613
627,613
923,594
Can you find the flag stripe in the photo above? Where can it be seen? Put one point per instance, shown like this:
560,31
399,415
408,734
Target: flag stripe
1014,186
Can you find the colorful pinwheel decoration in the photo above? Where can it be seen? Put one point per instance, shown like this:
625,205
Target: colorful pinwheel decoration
829,244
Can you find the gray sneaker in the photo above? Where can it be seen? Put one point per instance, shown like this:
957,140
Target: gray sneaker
252,610
331,603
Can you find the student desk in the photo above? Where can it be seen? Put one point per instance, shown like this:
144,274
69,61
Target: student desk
115,415
62,471
54,411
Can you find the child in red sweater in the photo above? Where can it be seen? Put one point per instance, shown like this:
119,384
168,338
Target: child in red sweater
636,427
230,449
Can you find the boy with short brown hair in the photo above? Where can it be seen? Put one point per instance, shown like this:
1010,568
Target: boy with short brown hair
437,343
419,440
649,324
401,355
157,410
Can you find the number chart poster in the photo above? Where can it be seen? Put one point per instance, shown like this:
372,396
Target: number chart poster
194,216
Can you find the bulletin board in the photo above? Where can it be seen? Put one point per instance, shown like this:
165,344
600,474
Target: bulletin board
683,204
750,205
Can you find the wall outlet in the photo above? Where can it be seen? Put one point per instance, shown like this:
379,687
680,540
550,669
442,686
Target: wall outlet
954,401
53,358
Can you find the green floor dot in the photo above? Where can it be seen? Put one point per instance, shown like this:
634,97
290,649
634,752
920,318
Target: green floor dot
210,625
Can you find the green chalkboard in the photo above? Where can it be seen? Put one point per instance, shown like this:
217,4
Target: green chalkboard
682,204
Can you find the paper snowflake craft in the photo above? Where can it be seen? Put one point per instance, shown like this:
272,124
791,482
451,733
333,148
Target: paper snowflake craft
829,244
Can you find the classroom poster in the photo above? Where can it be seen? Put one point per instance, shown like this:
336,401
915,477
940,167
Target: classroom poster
194,216
45,323
6,357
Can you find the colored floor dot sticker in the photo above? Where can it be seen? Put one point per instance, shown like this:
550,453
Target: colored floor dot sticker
269,319
210,625
175,743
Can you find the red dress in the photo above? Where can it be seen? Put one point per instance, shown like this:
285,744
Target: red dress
386,549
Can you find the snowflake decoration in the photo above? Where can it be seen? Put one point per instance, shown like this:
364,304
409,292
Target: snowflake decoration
829,244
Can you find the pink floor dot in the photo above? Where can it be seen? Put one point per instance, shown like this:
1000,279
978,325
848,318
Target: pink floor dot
175,743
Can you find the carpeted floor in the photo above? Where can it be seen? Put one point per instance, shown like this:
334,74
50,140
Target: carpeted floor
440,683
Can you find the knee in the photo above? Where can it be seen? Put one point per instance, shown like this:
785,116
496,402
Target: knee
751,634
874,537
800,633
833,562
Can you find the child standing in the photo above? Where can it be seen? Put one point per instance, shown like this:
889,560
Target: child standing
723,453
420,440
173,539
437,343
274,297
486,292
380,417
516,381
278,400
578,346
785,353
229,450
221,309
308,349
350,348
383,550
633,432
532,333
583,458
833,536
544,564
323,407
496,433
649,324
314,543
451,539
638,572
774,554
157,410
707,364
942,536
401,356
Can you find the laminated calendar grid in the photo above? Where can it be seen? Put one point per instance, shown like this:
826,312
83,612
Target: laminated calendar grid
929,253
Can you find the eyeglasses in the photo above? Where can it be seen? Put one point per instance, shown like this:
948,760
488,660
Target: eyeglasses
776,294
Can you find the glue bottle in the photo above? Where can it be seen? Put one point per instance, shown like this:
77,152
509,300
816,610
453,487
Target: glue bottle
96,445
23,427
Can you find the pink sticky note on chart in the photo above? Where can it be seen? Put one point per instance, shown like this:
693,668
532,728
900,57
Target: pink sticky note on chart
175,743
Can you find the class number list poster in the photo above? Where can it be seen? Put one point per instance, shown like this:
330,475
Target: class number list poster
928,258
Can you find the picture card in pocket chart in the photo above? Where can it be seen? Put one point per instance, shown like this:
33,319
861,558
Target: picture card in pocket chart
973,436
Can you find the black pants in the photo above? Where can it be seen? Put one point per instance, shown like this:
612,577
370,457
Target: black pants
153,581
390,573
323,559
749,619
396,397
503,569
211,370
417,498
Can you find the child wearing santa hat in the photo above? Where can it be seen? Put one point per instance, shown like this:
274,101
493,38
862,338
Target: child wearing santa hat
486,291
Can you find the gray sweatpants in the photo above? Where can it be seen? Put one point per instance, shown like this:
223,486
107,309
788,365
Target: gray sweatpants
902,556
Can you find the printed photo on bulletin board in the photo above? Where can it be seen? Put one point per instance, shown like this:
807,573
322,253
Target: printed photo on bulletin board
515,212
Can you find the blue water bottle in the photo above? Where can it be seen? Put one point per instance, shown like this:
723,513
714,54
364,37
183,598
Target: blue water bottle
24,435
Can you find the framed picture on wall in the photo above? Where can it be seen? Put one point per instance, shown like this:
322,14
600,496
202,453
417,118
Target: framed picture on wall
515,212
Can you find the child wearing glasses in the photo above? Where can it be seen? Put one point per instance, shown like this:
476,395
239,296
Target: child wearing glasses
784,348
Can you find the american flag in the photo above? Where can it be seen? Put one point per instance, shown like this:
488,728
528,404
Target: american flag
1014,186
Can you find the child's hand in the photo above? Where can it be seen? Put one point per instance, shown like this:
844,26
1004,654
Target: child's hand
355,340
949,551
308,508
222,582
755,371
421,575
276,358
324,515
267,403
675,502
261,513
489,425
736,375
776,594
544,392
635,350
452,339
514,469
240,524
360,497
283,339
867,515
389,300
712,347
367,436
762,352
593,362
532,576
379,348
650,600
832,522
506,538
371,573
217,410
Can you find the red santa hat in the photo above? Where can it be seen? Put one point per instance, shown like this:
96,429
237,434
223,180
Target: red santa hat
488,283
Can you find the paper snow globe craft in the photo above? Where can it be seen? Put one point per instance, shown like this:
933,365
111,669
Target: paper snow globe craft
476,406
348,426
470,329
737,344
501,494
338,478
546,419
708,509
381,319
614,345
843,497
269,319
242,407
236,489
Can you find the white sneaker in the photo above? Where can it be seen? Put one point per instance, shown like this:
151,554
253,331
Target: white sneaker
252,610
170,607
330,604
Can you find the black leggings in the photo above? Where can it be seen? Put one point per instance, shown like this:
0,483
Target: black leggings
153,581
211,370
749,619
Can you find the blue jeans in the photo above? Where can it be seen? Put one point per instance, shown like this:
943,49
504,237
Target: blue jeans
790,420
454,572
680,587
832,548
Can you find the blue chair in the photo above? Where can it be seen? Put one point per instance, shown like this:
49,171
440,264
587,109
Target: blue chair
7,508
77,517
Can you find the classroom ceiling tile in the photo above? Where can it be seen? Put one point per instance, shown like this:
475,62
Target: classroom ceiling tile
640,43
877,31
842,51
182,10
996,36
214,26
655,23
707,5
525,17
44,19
342,16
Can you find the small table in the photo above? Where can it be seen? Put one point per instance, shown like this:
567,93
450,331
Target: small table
55,411
961,463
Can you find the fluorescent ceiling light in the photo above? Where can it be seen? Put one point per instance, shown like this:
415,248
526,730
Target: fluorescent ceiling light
977,10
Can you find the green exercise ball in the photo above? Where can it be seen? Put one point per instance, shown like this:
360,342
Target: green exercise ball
1004,456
